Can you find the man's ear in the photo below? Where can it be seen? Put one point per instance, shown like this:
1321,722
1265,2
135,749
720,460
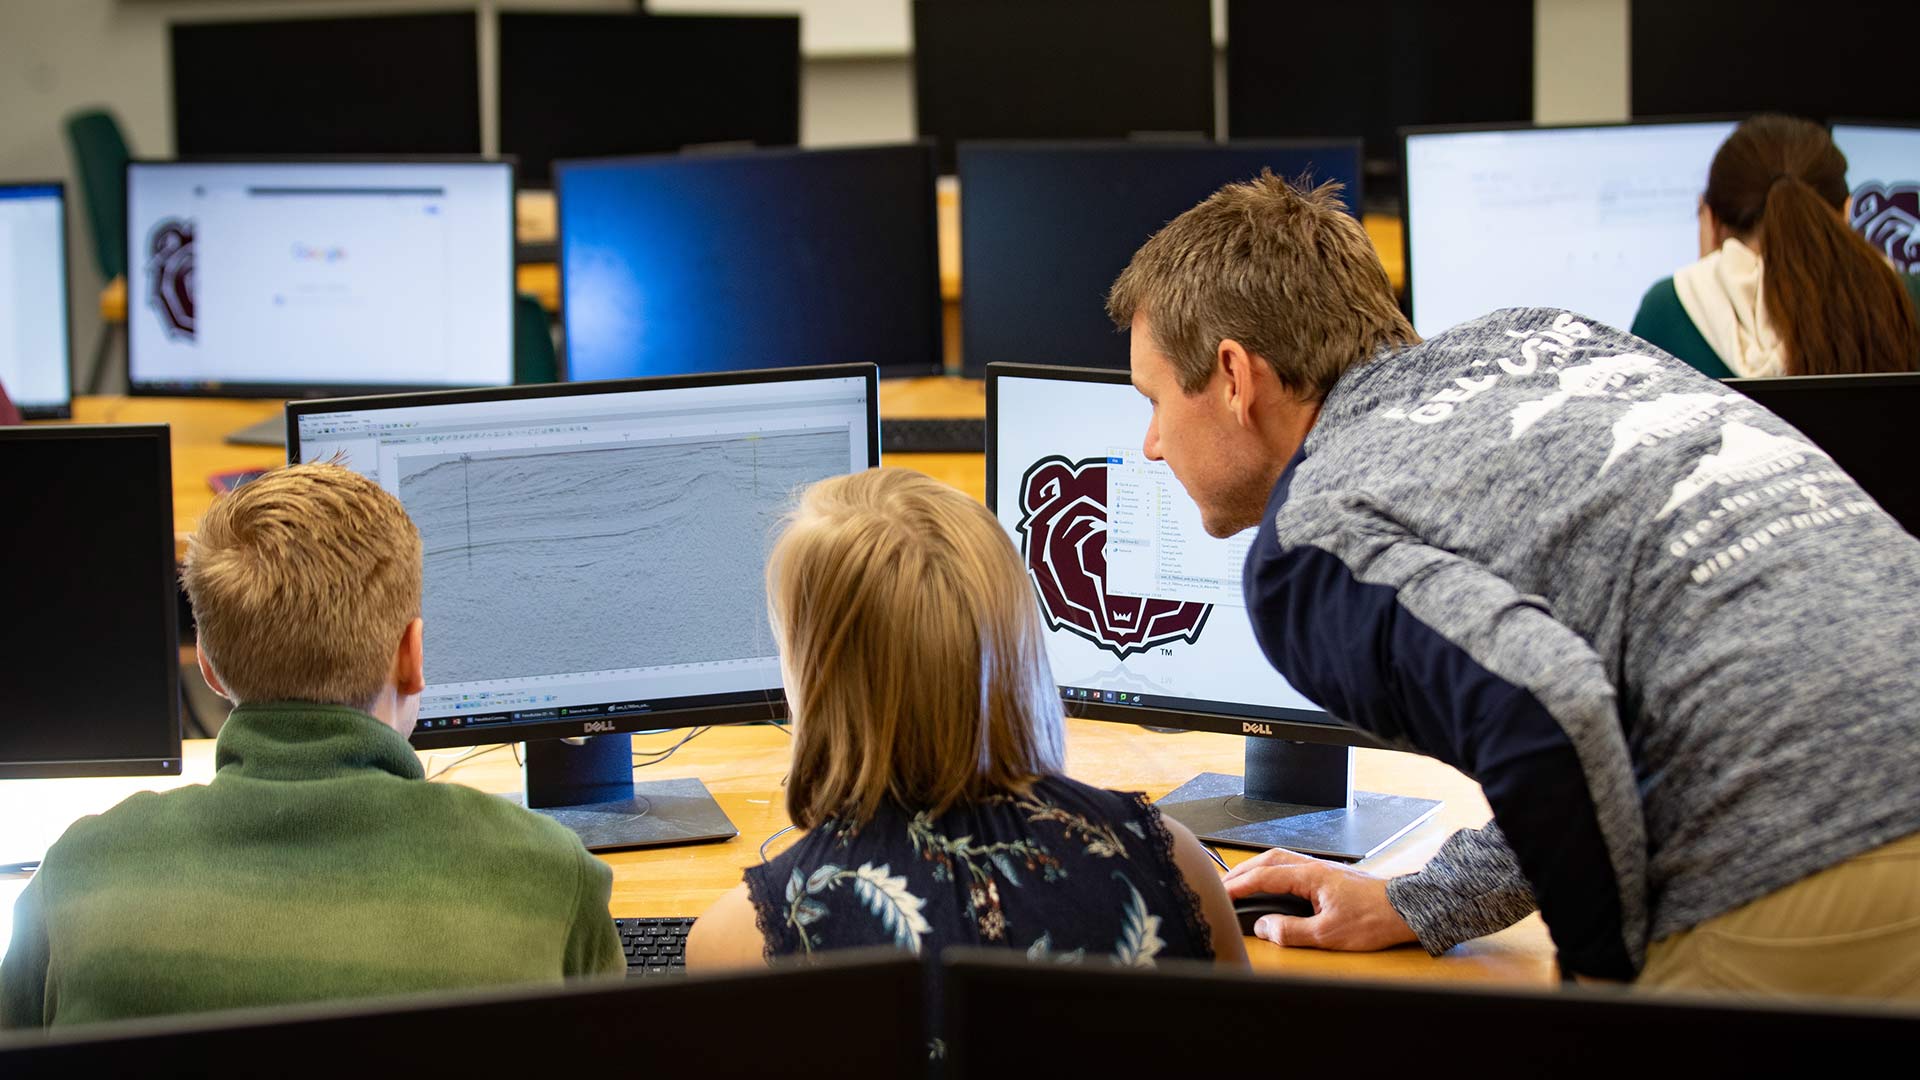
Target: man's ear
409,660
1240,379
206,672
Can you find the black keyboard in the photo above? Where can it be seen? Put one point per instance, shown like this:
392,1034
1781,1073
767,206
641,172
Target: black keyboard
934,435
654,946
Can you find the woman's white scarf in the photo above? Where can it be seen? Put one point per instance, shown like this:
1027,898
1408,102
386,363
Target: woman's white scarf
1721,294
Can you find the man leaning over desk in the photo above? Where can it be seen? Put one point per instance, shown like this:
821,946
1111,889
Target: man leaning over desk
1669,638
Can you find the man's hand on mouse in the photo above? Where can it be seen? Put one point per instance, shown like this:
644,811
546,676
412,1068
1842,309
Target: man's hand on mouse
1351,911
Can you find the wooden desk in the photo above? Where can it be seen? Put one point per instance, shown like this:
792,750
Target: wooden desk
743,767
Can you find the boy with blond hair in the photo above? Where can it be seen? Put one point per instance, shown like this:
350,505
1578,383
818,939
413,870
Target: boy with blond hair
317,864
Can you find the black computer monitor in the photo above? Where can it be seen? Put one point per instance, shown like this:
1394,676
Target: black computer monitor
1061,69
35,315
89,620
1833,60
1046,227
381,84
1373,66
594,85
1104,1021
1581,217
743,1025
769,258
274,278
1146,621
595,558
1883,176
1857,420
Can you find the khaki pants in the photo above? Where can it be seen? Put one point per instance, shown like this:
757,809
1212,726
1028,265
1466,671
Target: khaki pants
1851,930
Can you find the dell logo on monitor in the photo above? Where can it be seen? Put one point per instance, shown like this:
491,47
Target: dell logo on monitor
597,727
1247,727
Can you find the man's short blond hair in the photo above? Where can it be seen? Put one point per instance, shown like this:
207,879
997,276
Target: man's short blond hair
1280,268
915,662
303,582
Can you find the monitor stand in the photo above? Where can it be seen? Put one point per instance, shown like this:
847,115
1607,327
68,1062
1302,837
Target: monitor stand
1297,796
269,432
587,785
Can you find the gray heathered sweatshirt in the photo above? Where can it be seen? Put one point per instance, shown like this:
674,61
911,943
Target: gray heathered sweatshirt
1678,648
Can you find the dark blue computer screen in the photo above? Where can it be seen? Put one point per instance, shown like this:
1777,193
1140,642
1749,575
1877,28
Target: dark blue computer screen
1046,227
695,263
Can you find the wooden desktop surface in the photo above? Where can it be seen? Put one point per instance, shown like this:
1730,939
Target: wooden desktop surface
744,767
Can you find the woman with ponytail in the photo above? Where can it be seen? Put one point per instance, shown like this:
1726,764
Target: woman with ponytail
1783,287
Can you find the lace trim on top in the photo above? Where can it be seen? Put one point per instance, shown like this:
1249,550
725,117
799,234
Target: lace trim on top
1163,847
774,942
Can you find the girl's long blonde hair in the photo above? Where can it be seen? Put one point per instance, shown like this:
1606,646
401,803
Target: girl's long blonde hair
915,663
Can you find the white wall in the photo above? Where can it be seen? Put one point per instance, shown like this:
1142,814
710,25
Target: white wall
1580,60
57,56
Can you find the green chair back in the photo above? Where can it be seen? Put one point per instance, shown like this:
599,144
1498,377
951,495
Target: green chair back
100,156
534,360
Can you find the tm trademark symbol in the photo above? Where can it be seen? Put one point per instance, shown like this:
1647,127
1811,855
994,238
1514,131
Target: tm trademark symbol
1166,652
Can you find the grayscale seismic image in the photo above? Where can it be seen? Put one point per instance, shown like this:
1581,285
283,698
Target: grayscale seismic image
594,558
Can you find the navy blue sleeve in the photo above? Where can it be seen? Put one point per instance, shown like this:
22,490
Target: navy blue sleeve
1425,650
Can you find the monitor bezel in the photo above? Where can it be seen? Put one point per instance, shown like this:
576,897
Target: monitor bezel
308,390
549,181
1295,725
1413,131
64,410
969,302
160,435
751,706
936,329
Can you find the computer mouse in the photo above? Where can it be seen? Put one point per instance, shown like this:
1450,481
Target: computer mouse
1249,908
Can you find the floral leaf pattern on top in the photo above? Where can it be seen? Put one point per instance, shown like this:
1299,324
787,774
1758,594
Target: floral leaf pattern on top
1042,951
898,909
1063,873
883,894
1140,940
1101,841
949,856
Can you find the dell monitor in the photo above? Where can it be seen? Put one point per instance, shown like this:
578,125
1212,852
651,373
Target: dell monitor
304,279
35,332
1046,227
1061,69
90,631
1883,177
594,563
711,262
385,84
1855,420
1371,67
596,85
1748,56
1584,218
1146,622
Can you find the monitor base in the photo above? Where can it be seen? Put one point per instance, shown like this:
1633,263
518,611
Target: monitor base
587,785
661,813
1216,808
269,432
